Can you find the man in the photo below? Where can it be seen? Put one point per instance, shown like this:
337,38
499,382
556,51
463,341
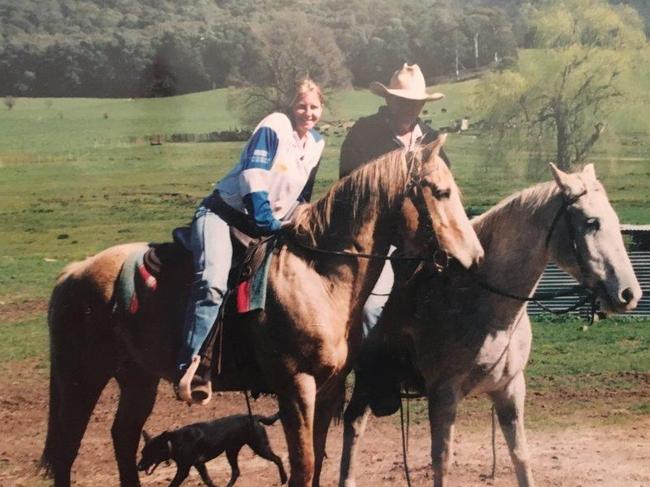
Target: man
395,126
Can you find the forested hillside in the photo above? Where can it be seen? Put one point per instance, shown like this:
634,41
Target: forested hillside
143,48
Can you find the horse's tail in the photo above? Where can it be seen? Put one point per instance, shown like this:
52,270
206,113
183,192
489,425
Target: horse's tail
61,311
45,465
65,319
268,420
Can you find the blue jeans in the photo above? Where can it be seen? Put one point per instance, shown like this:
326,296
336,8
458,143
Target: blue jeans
211,257
377,299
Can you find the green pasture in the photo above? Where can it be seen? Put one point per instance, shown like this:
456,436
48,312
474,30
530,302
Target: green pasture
79,175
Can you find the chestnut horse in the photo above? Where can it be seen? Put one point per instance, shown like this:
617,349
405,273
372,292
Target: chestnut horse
304,342
464,338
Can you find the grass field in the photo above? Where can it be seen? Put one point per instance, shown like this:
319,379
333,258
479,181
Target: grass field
77,175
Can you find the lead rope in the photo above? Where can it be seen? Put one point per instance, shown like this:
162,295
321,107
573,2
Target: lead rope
494,444
404,445
250,411
408,422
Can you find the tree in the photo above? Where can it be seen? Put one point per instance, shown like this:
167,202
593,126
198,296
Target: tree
565,92
10,101
177,66
292,48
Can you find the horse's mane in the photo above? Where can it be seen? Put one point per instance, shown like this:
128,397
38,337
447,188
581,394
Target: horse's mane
376,184
527,201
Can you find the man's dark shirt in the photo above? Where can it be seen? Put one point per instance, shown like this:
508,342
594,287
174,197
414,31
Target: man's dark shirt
371,137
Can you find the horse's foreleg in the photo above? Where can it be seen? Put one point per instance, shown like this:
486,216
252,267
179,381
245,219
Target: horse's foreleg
442,416
354,424
327,405
509,404
297,403
137,397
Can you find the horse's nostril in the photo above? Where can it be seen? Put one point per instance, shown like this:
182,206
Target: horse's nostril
627,295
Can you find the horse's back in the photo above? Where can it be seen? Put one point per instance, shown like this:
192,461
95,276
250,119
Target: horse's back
100,271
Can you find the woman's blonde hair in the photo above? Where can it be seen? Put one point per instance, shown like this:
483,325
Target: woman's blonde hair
306,85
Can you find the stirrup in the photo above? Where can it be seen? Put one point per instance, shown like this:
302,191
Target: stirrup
192,388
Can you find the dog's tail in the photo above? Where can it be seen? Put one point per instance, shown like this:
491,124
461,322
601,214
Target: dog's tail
268,420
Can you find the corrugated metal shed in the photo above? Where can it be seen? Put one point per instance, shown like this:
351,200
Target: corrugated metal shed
555,279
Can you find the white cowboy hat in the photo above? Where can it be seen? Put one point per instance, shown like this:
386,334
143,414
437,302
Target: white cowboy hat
408,83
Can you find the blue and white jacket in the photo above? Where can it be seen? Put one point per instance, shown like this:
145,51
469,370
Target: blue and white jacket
274,174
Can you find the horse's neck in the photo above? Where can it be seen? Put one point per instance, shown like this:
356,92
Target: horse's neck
352,219
514,239
356,217
372,236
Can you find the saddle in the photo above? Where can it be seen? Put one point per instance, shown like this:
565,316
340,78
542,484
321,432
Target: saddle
249,254
247,284
166,268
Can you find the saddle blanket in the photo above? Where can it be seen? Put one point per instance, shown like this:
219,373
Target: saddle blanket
134,280
138,281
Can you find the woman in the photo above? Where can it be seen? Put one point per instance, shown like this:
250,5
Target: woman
275,173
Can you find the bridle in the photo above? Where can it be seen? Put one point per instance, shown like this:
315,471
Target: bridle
563,211
589,295
413,191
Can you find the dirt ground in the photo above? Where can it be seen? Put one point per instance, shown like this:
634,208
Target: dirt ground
588,454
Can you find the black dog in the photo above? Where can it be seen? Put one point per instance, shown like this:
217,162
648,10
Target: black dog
195,444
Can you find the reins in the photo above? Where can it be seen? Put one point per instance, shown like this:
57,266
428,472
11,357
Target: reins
405,438
439,254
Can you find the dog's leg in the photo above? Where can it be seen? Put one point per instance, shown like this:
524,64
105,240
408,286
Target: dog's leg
181,474
262,447
137,397
232,460
203,472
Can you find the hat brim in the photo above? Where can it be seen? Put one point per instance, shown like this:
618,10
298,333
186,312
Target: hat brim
381,90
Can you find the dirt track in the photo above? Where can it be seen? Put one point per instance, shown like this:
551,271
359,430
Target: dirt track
582,455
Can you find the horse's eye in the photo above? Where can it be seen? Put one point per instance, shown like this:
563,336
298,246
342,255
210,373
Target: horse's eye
592,224
441,194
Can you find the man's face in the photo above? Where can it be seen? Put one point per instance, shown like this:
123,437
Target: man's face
404,111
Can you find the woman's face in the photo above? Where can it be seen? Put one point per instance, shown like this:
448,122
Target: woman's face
306,111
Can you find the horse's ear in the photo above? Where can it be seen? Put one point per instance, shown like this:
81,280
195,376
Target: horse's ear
440,141
569,185
589,172
429,152
561,178
146,437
